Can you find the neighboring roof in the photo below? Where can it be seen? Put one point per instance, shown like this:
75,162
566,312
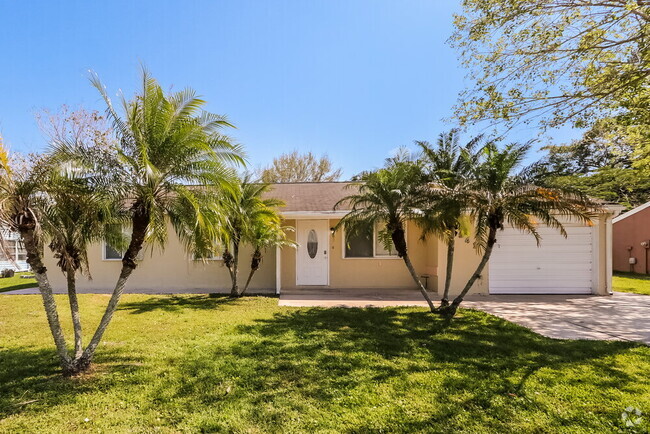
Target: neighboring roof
631,212
310,196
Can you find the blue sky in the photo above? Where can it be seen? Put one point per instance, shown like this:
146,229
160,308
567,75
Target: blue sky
351,78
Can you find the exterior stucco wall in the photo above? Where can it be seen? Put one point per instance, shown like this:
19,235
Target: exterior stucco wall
367,272
288,259
466,260
171,270
630,232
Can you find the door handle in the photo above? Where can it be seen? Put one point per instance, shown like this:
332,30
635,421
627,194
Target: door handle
324,252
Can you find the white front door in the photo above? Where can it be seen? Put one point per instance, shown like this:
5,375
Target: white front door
312,261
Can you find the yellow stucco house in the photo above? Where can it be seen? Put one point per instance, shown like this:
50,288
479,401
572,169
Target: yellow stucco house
579,264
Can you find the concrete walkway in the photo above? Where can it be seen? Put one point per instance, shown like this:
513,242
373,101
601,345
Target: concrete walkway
621,316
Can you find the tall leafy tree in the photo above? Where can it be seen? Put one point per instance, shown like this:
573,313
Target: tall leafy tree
245,210
553,61
505,193
605,144
605,163
391,196
449,167
296,167
165,143
68,124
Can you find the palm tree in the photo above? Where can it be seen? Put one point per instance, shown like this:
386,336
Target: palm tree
391,196
73,217
448,166
501,195
244,209
165,143
21,182
266,233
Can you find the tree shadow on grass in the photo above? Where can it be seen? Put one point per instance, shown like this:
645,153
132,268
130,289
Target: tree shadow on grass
296,368
31,379
177,303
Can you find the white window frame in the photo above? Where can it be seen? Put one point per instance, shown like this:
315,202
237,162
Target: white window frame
104,258
125,231
374,246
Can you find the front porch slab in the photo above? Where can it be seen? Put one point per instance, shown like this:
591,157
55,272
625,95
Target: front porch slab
352,297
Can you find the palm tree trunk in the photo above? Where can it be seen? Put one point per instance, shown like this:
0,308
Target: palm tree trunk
492,237
83,362
227,262
451,245
140,223
35,261
248,281
399,241
74,310
255,265
234,291
415,277
53,320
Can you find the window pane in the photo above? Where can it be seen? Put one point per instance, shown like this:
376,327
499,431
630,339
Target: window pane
114,231
10,247
111,253
359,244
312,244
22,253
381,236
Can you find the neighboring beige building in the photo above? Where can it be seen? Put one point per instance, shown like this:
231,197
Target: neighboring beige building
325,258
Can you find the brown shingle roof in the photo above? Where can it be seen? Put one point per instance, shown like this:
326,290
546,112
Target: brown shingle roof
310,196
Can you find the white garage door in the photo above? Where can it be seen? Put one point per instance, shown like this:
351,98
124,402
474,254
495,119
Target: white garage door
558,266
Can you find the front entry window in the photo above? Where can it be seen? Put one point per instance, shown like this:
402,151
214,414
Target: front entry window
369,242
358,243
312,244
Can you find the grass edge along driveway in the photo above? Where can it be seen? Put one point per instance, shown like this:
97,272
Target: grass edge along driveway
16,282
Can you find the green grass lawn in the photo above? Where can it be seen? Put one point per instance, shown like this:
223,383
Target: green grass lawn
16,282
631,282
193,363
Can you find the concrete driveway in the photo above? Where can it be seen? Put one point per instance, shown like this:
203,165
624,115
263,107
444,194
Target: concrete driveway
621,316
